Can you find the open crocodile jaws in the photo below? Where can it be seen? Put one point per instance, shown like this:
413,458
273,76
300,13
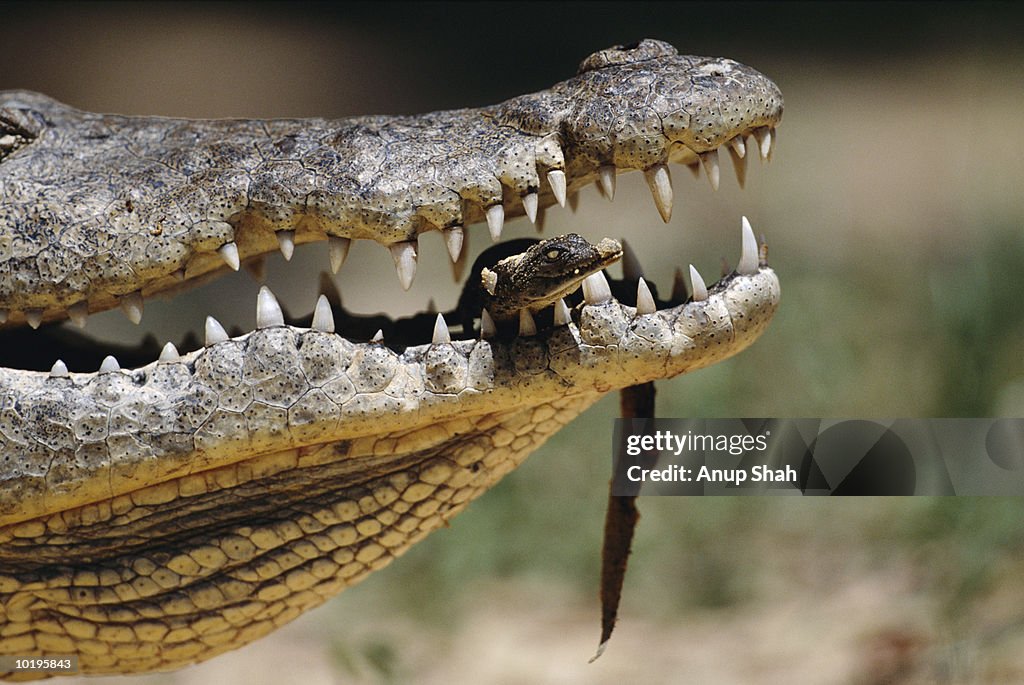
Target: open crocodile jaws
155,517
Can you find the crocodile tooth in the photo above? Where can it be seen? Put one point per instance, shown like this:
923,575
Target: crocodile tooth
596,289
774,132
556,177
631,269
378,337
79,313
34,317
710,161
487,327
109,365
459,265
700,290
495,221
404,255
644,299
527,326
530,201
131,305
562,314
268,310
257,268
286,240
441,334
763,135
748,254
215,333
739,165
337,248
738,146
453,241
680,293
59,370
660,182
606,173
574,201
3,315
229,253
323,316
169,353
489,280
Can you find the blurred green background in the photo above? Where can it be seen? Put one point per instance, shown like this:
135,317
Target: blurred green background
894,212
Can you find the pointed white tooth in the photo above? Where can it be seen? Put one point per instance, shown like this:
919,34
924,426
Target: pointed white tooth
527,326
680,293
404,255
607,176
34,317
530,203
660,182
453,241
323,317
556,177
739,146
748,254
739,165
495,221
487,327
337,248
764,141
596,289
4,314
710,161
644,299
378,337
79,313
229,253
562,314
459,265
286,241
215,333
631,269
169,353
59,370
257,268
268,311
131,305
109,365
441,334
700,290
489,280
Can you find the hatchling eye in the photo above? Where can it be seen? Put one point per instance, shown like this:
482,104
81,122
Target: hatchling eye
553,255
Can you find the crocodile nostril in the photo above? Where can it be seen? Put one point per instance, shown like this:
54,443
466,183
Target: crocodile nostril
631,46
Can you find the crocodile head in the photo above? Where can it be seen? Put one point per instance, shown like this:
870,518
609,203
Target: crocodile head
161,514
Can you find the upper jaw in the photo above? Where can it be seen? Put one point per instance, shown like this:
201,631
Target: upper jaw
226,200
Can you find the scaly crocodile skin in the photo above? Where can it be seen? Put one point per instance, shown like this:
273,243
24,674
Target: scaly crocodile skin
155,517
